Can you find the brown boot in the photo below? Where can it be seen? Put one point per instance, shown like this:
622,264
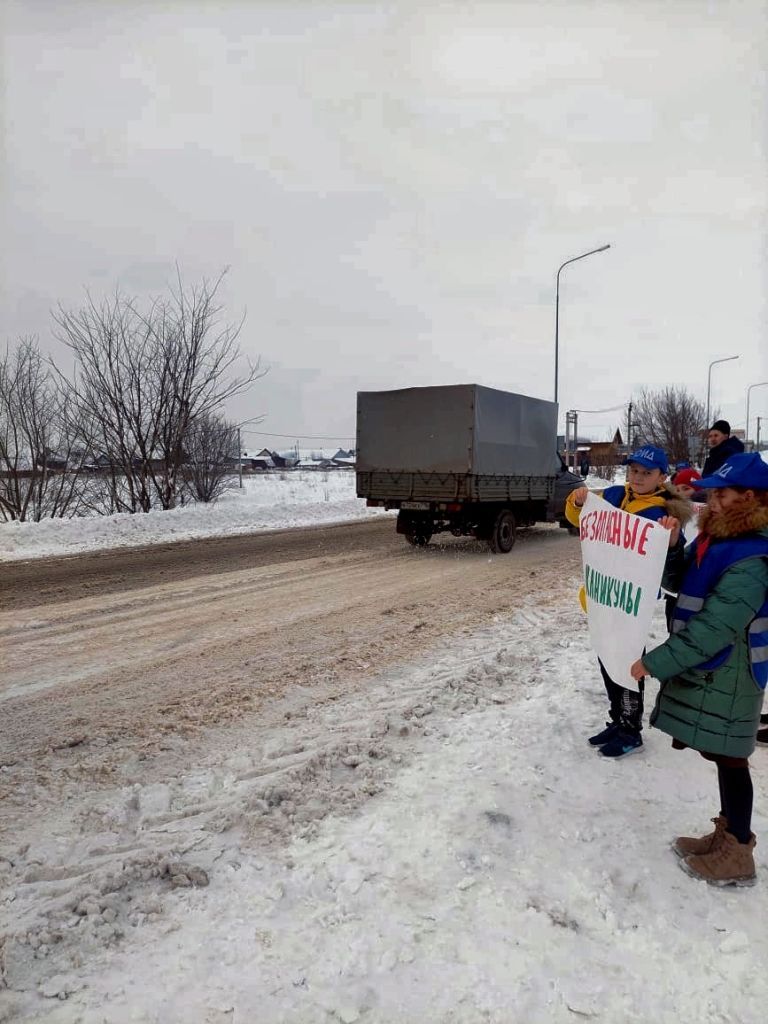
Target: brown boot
732,863
688,847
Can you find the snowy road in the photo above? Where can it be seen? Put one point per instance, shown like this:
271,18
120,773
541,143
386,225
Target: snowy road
376,756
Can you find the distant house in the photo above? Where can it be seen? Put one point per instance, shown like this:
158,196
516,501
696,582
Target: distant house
95,463
52,460
345,458
263,459
607,453
299,458
258,461
308,458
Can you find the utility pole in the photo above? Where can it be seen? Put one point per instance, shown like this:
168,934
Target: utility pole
571,421
575,440
629,427
761,384
757,439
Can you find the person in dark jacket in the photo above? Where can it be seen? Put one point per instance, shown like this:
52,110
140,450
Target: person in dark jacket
721,446
714,667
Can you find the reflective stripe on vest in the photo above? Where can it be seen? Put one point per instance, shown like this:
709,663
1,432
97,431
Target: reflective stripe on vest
758,647
701,579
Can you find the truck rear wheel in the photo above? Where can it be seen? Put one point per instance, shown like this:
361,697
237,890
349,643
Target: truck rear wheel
419,536
504,533
417,530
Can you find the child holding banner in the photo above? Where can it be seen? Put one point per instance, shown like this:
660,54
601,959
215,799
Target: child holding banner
714,667
645,494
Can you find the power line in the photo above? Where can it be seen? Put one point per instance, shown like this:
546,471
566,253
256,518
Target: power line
304,437
613,408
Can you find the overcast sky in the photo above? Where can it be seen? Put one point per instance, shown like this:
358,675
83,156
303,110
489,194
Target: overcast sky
394,186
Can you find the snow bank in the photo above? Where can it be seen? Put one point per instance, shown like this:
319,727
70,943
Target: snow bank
599,483
268,502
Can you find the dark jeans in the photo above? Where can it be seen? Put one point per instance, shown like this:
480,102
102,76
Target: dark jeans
626,706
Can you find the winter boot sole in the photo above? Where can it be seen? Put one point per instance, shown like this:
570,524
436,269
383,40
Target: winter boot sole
736,883
620,757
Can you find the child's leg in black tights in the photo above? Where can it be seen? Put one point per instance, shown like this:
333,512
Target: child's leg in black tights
626,706
722,795
736,797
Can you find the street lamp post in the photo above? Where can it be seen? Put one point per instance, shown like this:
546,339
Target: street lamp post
244,423
714,362
762,384
557,306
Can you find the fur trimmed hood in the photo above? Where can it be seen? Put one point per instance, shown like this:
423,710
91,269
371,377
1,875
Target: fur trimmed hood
678,505
748,517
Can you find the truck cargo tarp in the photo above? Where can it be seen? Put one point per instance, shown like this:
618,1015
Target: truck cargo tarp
461,428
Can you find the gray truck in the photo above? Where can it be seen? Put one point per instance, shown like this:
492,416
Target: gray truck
462,458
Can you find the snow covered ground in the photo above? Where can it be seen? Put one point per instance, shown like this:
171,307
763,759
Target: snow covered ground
270,502
440,846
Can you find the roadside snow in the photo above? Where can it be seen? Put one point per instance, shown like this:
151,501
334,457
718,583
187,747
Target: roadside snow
599,483
442,847
268,502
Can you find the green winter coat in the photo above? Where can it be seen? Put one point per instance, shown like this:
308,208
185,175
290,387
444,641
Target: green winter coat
717,711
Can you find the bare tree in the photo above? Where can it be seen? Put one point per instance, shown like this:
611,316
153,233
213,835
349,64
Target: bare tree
669,418
605,465
40,461
209,448
143,376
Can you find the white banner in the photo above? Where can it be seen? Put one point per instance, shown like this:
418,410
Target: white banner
623,557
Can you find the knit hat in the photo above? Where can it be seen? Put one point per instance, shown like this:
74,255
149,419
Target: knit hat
739,471
686,476
722,425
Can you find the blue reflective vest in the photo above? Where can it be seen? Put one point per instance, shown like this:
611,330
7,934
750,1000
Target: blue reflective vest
698,582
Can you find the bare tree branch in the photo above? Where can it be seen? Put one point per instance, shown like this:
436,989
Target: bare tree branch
210,447
38,439
669,418
144,375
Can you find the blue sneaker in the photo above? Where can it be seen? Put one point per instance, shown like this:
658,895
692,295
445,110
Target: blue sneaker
601,738
622,744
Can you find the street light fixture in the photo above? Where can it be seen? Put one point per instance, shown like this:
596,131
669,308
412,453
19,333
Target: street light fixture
762,384
714,362
557,306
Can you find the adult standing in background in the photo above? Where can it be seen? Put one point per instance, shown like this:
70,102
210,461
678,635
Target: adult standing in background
721,446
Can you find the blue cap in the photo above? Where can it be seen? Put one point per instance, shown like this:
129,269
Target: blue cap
650,456
746,470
